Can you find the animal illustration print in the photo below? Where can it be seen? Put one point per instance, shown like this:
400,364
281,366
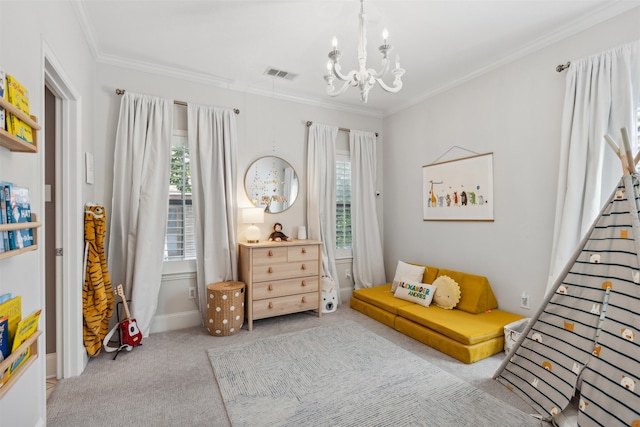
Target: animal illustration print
97,292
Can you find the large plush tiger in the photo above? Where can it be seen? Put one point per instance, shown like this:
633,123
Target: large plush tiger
97,292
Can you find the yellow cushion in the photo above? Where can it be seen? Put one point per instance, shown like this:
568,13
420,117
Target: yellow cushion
381,297
462,352
476,295
463,327
374,312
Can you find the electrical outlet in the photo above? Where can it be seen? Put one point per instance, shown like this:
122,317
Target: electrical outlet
524,300
348,274
192,293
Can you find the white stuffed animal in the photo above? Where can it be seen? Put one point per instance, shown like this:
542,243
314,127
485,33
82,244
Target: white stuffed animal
329,295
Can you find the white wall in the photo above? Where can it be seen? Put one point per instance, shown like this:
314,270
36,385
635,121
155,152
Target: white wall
266,126
21,54
514,112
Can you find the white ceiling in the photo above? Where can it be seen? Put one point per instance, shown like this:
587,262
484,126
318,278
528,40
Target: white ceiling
232,43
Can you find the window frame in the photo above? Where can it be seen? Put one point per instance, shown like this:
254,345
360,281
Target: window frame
176,266
344,156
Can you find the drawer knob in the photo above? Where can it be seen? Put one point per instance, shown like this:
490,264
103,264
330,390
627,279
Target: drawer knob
270,287
304,283
304,250
304,300
304,267
270,270
270,253
270,305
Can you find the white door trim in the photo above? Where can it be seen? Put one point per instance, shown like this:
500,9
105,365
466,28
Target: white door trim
71,354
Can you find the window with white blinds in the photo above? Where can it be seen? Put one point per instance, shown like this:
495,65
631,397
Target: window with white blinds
343,205
179,240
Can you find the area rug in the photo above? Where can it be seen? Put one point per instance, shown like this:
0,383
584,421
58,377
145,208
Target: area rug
347,375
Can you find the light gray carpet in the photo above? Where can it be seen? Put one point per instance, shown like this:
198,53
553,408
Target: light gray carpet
169,381
345,375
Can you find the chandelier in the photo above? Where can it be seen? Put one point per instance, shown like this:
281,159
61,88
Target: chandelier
364,78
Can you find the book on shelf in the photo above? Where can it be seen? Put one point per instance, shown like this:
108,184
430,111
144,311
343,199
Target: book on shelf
18,208
26,328
4,337
3,220
12,309
3,89
4,235
18,96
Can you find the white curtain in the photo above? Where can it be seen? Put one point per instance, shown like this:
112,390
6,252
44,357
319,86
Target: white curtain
602,95
140,201
368,262
212,134
321,194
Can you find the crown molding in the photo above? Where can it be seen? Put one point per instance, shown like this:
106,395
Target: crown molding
81,14
596,17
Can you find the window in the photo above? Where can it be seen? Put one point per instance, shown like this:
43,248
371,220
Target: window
343,205
179,241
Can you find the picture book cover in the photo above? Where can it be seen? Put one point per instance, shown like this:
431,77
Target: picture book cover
3,89
4,337
18,208
13,310
26,328
4,235
17,95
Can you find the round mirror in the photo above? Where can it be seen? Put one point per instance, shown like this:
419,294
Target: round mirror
271,184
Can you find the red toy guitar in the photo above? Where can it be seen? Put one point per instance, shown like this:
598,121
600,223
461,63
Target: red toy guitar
129,331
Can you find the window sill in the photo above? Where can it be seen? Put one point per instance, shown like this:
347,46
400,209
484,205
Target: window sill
170,268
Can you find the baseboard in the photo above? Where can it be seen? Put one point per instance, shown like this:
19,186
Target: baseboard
171,322
52,365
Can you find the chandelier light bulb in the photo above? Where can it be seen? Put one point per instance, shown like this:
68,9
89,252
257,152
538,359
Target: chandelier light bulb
329,66
334,43
385,35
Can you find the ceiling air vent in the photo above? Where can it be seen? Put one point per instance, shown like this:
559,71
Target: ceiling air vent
274,72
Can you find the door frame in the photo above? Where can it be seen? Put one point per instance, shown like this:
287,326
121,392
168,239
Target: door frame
71,354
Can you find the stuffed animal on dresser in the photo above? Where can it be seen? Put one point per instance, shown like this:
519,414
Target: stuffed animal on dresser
278,235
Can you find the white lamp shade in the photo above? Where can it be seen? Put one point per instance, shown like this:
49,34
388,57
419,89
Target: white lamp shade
253,216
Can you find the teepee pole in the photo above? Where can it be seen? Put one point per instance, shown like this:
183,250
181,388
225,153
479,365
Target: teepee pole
627,149
621,154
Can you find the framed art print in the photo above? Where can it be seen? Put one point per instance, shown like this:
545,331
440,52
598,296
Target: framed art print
458,190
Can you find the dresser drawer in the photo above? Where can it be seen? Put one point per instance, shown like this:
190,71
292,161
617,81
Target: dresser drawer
280,288
284,305
302,253
265,256
277,271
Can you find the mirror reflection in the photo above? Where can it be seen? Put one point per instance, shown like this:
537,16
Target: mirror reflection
271,183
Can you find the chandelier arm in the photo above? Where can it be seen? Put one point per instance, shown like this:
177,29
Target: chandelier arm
335,69
395,88
377,74
337,92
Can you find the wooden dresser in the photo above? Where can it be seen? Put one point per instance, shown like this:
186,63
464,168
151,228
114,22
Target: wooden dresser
281,278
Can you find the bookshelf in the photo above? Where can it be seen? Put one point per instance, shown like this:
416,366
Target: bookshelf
32,342
35,224
16,144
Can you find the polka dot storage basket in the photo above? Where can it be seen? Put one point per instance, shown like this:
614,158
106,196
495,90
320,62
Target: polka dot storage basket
225,308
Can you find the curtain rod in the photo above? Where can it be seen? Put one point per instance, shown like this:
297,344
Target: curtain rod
560,68
122,91
309,123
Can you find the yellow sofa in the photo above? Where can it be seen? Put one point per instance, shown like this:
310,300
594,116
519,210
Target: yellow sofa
472,331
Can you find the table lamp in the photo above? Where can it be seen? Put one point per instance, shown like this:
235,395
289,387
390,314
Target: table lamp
253,216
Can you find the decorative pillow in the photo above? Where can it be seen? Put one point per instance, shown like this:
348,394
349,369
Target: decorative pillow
407,273
419,293
447,294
